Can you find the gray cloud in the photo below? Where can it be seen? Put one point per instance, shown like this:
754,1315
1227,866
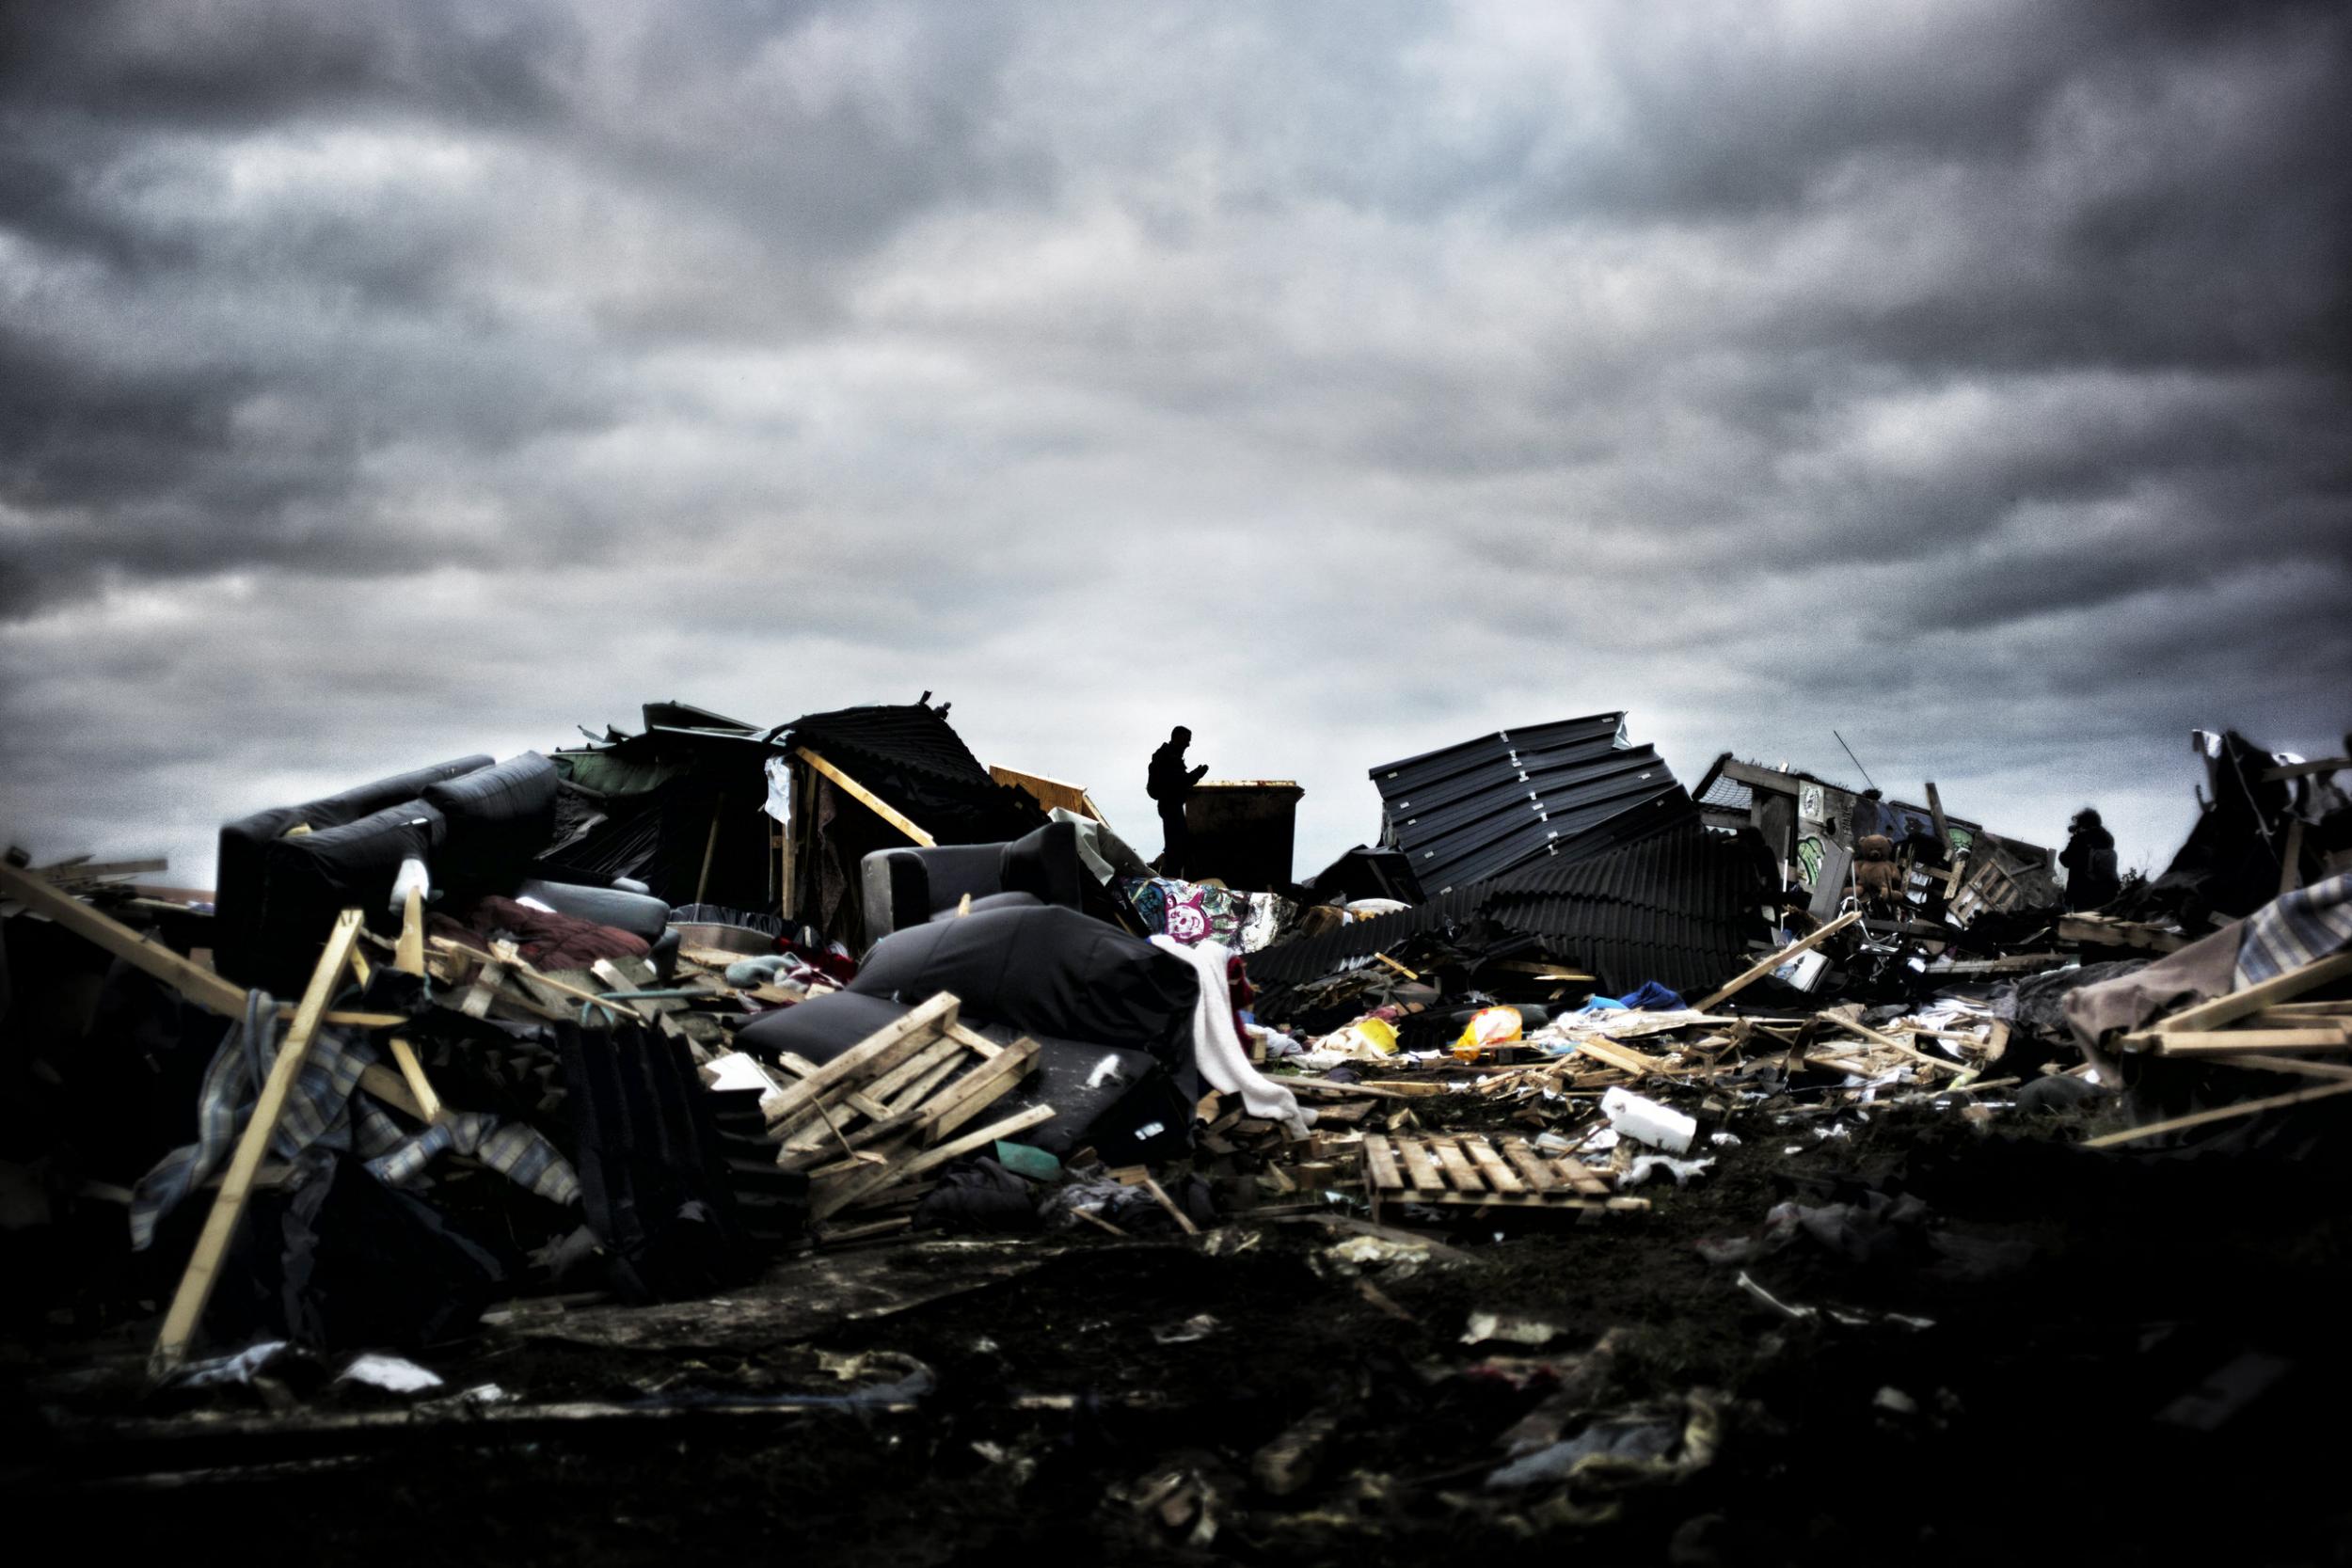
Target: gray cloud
382,384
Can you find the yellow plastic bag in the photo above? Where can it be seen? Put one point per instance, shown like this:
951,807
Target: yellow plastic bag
1487,1028
1375,1035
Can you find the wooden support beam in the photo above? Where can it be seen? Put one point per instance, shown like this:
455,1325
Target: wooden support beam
868,798
1757,972
1943,827
2291,859
510,961
408,956
877,1054
2305,769
2224,1113
81,869
412,1074
2300,1066
192,981
977,1089
220,1226
387,1085
2253,999
1854,1026
2238,1042
858,1189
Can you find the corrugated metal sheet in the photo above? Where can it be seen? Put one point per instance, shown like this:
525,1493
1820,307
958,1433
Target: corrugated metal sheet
1728,795
1472,811
910,756
1680,907
912,735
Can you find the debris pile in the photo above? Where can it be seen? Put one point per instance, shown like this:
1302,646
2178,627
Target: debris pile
730,1078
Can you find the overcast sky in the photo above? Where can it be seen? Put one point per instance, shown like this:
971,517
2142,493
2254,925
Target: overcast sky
383,383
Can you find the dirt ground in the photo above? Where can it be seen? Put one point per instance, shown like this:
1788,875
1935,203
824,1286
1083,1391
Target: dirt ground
2134,1357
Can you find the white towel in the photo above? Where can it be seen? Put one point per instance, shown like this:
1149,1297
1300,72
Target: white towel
1219,1049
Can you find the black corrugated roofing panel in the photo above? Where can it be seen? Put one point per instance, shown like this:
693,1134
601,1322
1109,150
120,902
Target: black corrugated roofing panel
911,734
1728,795
1414,772
1680,907
1470,810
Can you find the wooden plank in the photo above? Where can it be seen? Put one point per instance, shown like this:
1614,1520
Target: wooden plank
412,1074
2253,999
505,955
930,1160
868,798
976,1090
386,1084
830,1137
81,869
192,981
1888,1042
878,1052
2304,769
965,1036
1380,1163
408,954
710,845
1943,828
2224,1113
1049,793
1409,974
1159,1196
1498,1176
195,1285
923,1064
1555,1202
1419,1166
1578,1175
2291,859
912,1097
2302,1065
1757,972
1457,1168
1619,1056
485,990
1539,1176
2237,1042
1360,1091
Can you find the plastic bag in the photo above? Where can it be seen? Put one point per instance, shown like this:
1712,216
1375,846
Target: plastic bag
1366,1037
1487,1028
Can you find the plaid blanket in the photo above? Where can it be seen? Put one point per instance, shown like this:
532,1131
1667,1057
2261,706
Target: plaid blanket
2300,928
327,1109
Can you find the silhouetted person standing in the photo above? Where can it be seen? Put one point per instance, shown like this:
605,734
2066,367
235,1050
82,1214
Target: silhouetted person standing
2089,860
1169,782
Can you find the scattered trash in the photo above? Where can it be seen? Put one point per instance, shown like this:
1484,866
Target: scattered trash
389,1374
716,1044
1648,1121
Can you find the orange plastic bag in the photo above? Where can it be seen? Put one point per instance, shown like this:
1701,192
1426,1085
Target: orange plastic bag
1487,1028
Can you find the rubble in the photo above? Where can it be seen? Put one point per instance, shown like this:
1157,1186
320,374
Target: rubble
811,1091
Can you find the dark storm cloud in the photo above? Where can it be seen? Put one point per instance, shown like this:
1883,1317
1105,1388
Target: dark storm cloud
378,383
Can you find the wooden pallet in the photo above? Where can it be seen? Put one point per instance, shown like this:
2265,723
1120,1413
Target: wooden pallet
1469,1170
869,1124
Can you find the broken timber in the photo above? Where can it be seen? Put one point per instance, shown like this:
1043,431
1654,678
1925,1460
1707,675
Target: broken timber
1765,966
1470,1171
869,1124
196,1286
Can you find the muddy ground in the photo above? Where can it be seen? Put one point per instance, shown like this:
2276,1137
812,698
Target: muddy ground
2135,1356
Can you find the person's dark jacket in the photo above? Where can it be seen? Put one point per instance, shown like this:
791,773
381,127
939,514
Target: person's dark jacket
2089,861
1168,781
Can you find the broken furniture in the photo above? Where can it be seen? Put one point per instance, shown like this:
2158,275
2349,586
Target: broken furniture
1111,1016
906,887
